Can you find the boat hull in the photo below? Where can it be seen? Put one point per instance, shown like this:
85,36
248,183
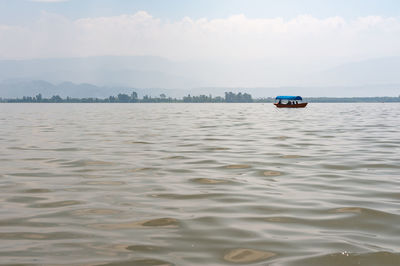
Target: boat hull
299,105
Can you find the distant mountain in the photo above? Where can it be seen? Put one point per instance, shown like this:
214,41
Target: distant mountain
109,75
138,71
17,88
380,71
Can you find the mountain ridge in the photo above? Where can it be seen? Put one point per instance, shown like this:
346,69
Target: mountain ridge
20,88
105,75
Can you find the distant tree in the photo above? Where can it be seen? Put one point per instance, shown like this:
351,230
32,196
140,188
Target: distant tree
146,99
56,99
230,97
218,99
187,99
134,97
247,98
123,98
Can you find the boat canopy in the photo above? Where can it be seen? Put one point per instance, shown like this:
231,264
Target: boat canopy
293,98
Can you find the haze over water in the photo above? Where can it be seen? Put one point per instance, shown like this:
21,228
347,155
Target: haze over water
199,184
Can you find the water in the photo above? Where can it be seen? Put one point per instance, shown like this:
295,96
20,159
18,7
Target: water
199,184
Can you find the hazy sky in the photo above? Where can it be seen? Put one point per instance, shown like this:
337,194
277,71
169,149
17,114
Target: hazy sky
204,29
22,11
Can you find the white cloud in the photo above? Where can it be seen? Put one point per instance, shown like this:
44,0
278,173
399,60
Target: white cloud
233,37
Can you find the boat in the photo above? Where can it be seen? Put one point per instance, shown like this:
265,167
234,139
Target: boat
289,102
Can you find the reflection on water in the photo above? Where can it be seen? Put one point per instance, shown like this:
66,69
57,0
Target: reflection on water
199,184
242,255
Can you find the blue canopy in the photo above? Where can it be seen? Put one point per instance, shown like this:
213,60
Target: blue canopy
293,98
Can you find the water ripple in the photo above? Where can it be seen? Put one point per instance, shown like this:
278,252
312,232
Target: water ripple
199,184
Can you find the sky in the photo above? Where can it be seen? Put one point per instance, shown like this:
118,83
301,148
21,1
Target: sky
206,29
26,11
291,40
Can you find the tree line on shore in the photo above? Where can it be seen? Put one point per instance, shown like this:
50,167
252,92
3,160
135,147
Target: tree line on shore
230,97
133,98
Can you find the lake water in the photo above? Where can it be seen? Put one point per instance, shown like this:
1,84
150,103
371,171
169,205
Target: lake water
199,184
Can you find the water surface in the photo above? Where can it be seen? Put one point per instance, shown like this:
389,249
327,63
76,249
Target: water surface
199,184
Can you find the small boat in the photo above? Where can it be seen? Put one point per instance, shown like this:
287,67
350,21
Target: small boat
289,102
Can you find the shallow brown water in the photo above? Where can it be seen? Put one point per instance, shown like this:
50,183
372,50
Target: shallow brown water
199,184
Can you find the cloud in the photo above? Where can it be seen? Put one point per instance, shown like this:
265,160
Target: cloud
236,37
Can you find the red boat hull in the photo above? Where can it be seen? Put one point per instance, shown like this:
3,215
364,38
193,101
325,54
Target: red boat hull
299,105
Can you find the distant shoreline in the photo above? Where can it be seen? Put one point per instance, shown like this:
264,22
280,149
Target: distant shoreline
230,97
